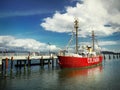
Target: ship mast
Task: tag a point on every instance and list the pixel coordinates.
(93, 38)
(76, 29)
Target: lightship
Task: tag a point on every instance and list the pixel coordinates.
(88, 56)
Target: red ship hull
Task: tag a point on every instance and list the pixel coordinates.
(77, 62)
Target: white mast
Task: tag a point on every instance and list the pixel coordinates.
(93, 39)
(76, 29)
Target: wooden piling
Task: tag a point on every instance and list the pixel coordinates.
(56, 62)
(109, 57)
(6, 63)
(6, 66)
(52, 61)
(2, 65)
(48, 62)
(17, 62)
(29, 61)
(104, 57)
(24, 63)
(42, 61)
(20, 63)
(11, 63)
(117, 56)
(113, 56)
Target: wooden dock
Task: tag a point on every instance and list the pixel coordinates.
(30, 57)
(25, 60)
(111, 56)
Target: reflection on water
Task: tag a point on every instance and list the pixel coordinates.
(79, 78)
(92, 71)
(102, 77)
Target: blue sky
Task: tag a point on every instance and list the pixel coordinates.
(33, 23)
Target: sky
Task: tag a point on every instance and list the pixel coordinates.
(43, 25)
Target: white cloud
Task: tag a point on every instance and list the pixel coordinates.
(11, 42)
(107, 43)
(102, 43)
(92, 15)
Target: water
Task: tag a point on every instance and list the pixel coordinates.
(103, 77)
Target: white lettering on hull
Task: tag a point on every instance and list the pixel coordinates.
(93, 60)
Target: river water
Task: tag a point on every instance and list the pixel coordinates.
(102, 77)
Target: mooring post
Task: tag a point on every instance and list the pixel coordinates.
(17, 62)
(11, 63)
(52, 61)
(20, 63)
(28, 61)
(2, 65)
(49, 61)
(6, 63)
(6, 66)
(109, 56)
(24, 63)
(41, 61)
(117, 55)
(56, 62)
(104, 57)
(11, 73)
(113, 56)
